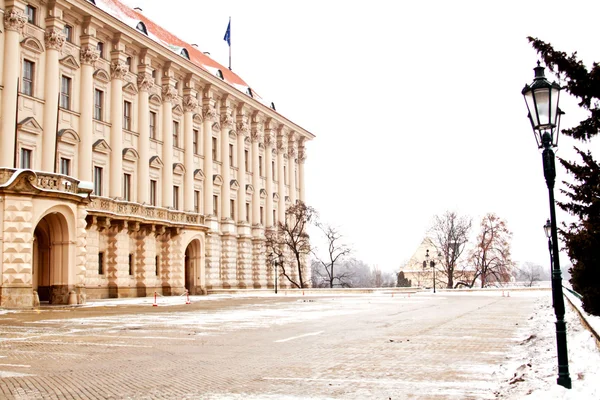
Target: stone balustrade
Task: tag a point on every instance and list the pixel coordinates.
(45, 181)
(142, 213)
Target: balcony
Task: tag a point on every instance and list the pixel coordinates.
(43, 183)
(124, 210)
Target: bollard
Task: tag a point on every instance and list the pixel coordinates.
(503, 293)
(154, 304)
(507, 294)
(187, 297)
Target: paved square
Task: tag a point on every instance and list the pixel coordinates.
(307, 347)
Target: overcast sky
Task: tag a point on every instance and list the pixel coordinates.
(416, 106)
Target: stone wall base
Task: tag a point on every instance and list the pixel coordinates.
(126, 292)
(11, 297)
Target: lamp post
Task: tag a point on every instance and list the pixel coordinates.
(548, 232)
(274, 263)
(432, 265)
(541, 98)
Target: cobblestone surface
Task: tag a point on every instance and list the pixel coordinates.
(350, 347)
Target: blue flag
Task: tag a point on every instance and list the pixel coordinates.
(227, 36)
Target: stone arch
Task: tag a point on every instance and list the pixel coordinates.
(194, 272)
(53, 261)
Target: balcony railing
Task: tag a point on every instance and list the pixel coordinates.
(46, 181)
(143, 213)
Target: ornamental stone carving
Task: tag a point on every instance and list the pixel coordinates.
(226, 119)
(118, 70)
(54, 39)
(256, 136)
(14, 20)
(169, 94)
(280, 145)
(190, 103)
(209, 113)
(145, 82)
(291, 150)
(269, 140)
(243, 128)
(89, 55)
(301, 155)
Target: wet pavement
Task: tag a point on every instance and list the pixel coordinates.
(375, 346)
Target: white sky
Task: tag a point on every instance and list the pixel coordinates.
(416, 106)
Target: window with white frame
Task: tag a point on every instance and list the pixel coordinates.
(127, 187)
(127, 115)
(98, 104)
(25, 158)
(98, 181)
(65, 166)
(65, 92)
(27, 85)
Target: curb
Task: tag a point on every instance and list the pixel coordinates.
(576, 305)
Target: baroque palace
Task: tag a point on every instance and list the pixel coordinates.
(130, 161)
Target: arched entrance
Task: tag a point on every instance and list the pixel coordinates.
(192, 267)
(51, 259)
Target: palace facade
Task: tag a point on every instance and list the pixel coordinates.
(130, 161)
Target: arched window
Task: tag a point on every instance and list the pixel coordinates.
(273, 106)
(249, 92)
(92, 1)
(184, 53)
(142, 28)
(219, 74)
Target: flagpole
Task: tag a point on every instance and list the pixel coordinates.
(230, 43)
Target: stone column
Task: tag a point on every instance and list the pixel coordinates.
(280, 176)
(145, 83)
(301, 159)
(292, 167)
(169, 96)
(269, 177)
(210, 116)
(88, 56)
(189, 106)
(256, 137)
(226, 126)
(118, 71)
(14, 20)
(54, 39)
(242, 133)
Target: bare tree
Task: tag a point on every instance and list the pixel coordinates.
(450, 234)
(529, 273)
(336, 252)
(290, 237)
(491, 255)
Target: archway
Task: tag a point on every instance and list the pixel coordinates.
(50, 266)
(192, 266)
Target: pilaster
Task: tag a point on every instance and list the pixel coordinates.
(190, 104)
(209, 115)
(257, 132)
(269, 142)
(119, 69)
(226, 127)
(88, 55)
(169, 97)
(281, 149)
(145, 83)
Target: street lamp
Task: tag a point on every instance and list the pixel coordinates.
(274, 263)
(541, 98)
(432, 265)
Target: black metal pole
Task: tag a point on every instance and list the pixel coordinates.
(276, 273)
(433, 266)
(564, 379)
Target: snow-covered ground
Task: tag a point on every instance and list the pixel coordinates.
(532, 368)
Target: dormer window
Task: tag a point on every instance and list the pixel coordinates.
(92, 1)
(184, 53)
(220, 74)
(142, 28)
(273, 106)
(249, 92)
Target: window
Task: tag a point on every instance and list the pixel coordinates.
(101, 263)
(98, 181)
(142, 28)
(98, 102)
(175, 134)
(260, 167)
(195, 141)
(65, 166)
(128, 62)
(27, 87)
(285, 175)
(65, 93)
(176, 197)
(130, 264)
(230, 154)
(127, 115)
(196, 201)
(262, 212)
(215, 205)
(30, 11)
(247, 212)
(152, 192)
(246, 160)
(274, 217)
(214, 148)
(127, 187)
(25, 158)
(273, 169)
(68, 31)
(100, 48)
(232, 209)
(152, 125)
(156, 265)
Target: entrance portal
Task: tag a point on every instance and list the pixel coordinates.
(50, 264)
(192, 266)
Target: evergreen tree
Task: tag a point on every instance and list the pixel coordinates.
(582, 238)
